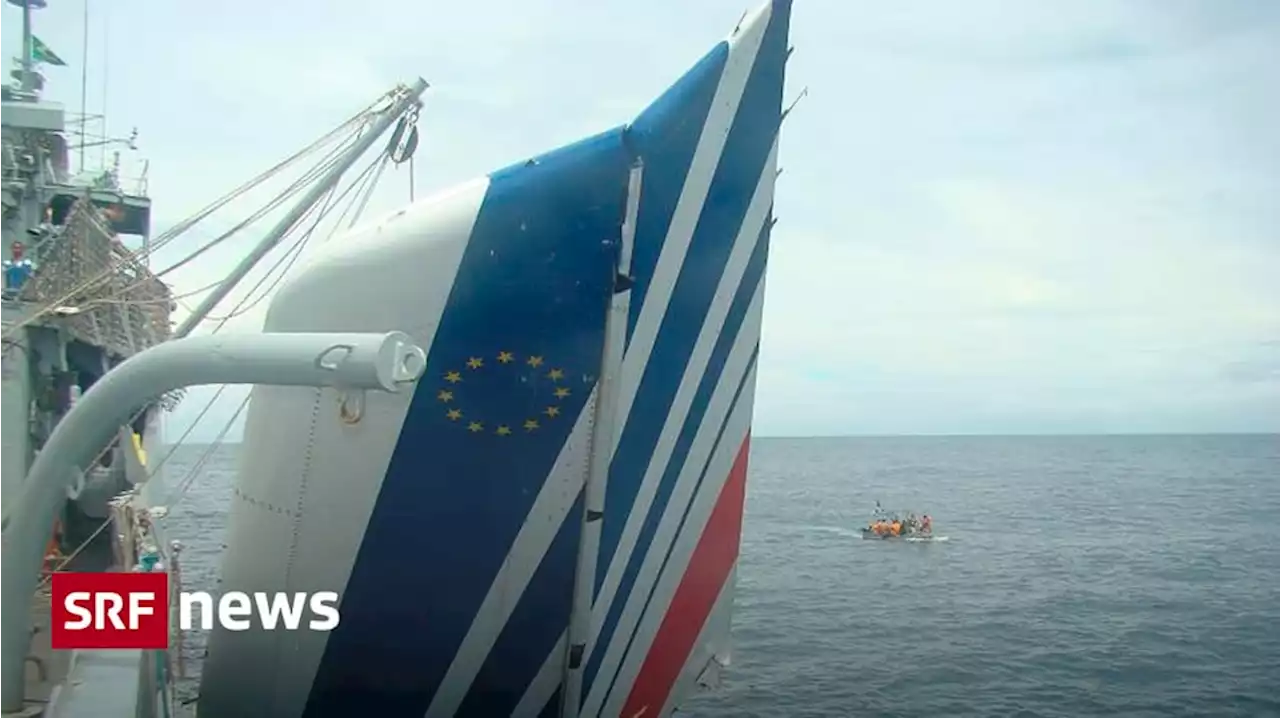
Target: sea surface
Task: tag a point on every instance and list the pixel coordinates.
(1082, 576)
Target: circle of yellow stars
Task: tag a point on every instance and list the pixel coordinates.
(453, 378)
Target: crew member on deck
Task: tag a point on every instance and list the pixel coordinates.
(17, 269)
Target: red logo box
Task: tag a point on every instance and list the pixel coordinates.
(110, 610)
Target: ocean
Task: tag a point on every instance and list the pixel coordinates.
(1082, 576)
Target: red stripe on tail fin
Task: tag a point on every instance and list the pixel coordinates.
(709, 568)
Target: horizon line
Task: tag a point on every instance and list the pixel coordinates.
(1067, 435)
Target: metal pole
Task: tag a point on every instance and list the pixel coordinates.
(175, 570)
(28, 82)
(350, 361)
(106, 75)
(84, 88)
(407, 99)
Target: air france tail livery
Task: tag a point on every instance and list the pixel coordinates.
(548, 523)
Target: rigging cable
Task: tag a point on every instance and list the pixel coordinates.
(368, 192)
(327, 163)
(311, 175)
(186, 224)
(194, 471)
(324, 166)
(294, 252)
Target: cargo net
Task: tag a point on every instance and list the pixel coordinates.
(106, 296)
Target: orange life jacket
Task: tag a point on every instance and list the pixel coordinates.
(52, 550)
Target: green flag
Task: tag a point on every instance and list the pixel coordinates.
(40, 52)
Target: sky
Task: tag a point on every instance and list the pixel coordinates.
(994, 217)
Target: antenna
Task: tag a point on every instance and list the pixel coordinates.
(84, 86)
(803, 94)
(106, 36)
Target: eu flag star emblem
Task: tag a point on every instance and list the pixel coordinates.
(503, 394)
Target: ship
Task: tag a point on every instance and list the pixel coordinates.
(79, 299)
(509, 424)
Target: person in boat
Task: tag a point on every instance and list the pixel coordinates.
(926, 524)
(896, 528)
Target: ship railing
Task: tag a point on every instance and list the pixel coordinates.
(139, 544)
(141, 678)
(145, 681)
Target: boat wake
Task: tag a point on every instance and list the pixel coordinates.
(848, 533)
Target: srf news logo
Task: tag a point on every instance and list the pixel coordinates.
(110, 610)
(131, 610)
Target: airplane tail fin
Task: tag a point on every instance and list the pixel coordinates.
(549, 522)
(673, 499)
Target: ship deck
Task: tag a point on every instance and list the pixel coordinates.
(45, 668)
(105, 682)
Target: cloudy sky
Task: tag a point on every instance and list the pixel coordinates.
(995, 217)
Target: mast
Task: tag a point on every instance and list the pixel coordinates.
(27, 82)
(407, 99)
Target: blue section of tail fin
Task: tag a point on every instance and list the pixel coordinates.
(530, 296)
(535, 626)
(665, 135)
